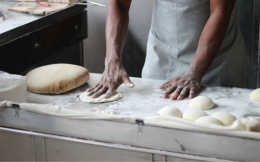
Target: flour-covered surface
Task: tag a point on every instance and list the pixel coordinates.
(146, 98)
(14, 19)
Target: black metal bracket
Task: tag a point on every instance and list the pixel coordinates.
(17, 108)
(140, 123)
(16, 105)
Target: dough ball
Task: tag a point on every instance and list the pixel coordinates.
(208, 120)
(193, 114)
(85, 98)
(224, 117)
(255, 95)
(56, 78)
(170, 111)
(201, 102)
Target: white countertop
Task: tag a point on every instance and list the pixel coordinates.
(14, 18)
(146, 98)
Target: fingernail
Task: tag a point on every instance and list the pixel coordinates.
(129, 84)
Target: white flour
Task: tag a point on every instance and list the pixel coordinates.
(146, 98)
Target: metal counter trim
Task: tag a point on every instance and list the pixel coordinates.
(118, 146)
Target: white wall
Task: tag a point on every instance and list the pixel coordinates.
(135, 47)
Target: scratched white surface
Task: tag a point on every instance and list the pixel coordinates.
(15, 19)
(147, 98)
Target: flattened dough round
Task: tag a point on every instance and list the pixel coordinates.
(208, 120)
(170, 111)
(201, 102)
(85, 98)
(224, 117)
(193, 114)
(255, 95)
(56, 78)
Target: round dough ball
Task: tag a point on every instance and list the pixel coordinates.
(255, 95)
(208, 120)
(224, 117)
(56, 78)
(201, 102)
(193, 114)
(170, 111)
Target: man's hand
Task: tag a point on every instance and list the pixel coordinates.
(179, 87)
(209, 44)
(113, 76)
(116, 29)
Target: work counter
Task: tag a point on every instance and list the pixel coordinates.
(32, 136)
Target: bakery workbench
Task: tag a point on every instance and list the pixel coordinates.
(146, 98)
(31, 136)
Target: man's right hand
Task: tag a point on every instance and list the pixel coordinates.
(113, 76)
(116, 30)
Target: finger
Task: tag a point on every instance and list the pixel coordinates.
(92, 88)
(127, 81)
(183, 93)
(110, 92)
(192, 93)
(165, 85)
(176, 93)
(100, 92)
(169, 91)
(95, 90)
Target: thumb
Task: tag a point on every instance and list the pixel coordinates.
(128, 82)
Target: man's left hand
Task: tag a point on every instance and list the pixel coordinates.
(179, 87)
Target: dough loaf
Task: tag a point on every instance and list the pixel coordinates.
(201, 102)
(170, 111)
(224, 117)
(255, 95)
(193, 114)
(85, 98)
(208, 120)
(56, 78)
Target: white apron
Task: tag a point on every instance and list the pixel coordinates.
(173, 40)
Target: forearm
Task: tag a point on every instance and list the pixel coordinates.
(116, 28)
(210, 42)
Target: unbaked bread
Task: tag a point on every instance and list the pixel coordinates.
(224, 117)
(208, 120)
(255, 95)
(193, 114)
(56, 78)
(170, 111)
(114, 97)
(201, 102)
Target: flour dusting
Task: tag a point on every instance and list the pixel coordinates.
(146, 98)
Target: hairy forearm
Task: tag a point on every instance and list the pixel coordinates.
(210, 42)
(116, 28)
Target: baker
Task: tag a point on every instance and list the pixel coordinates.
(191, 42)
